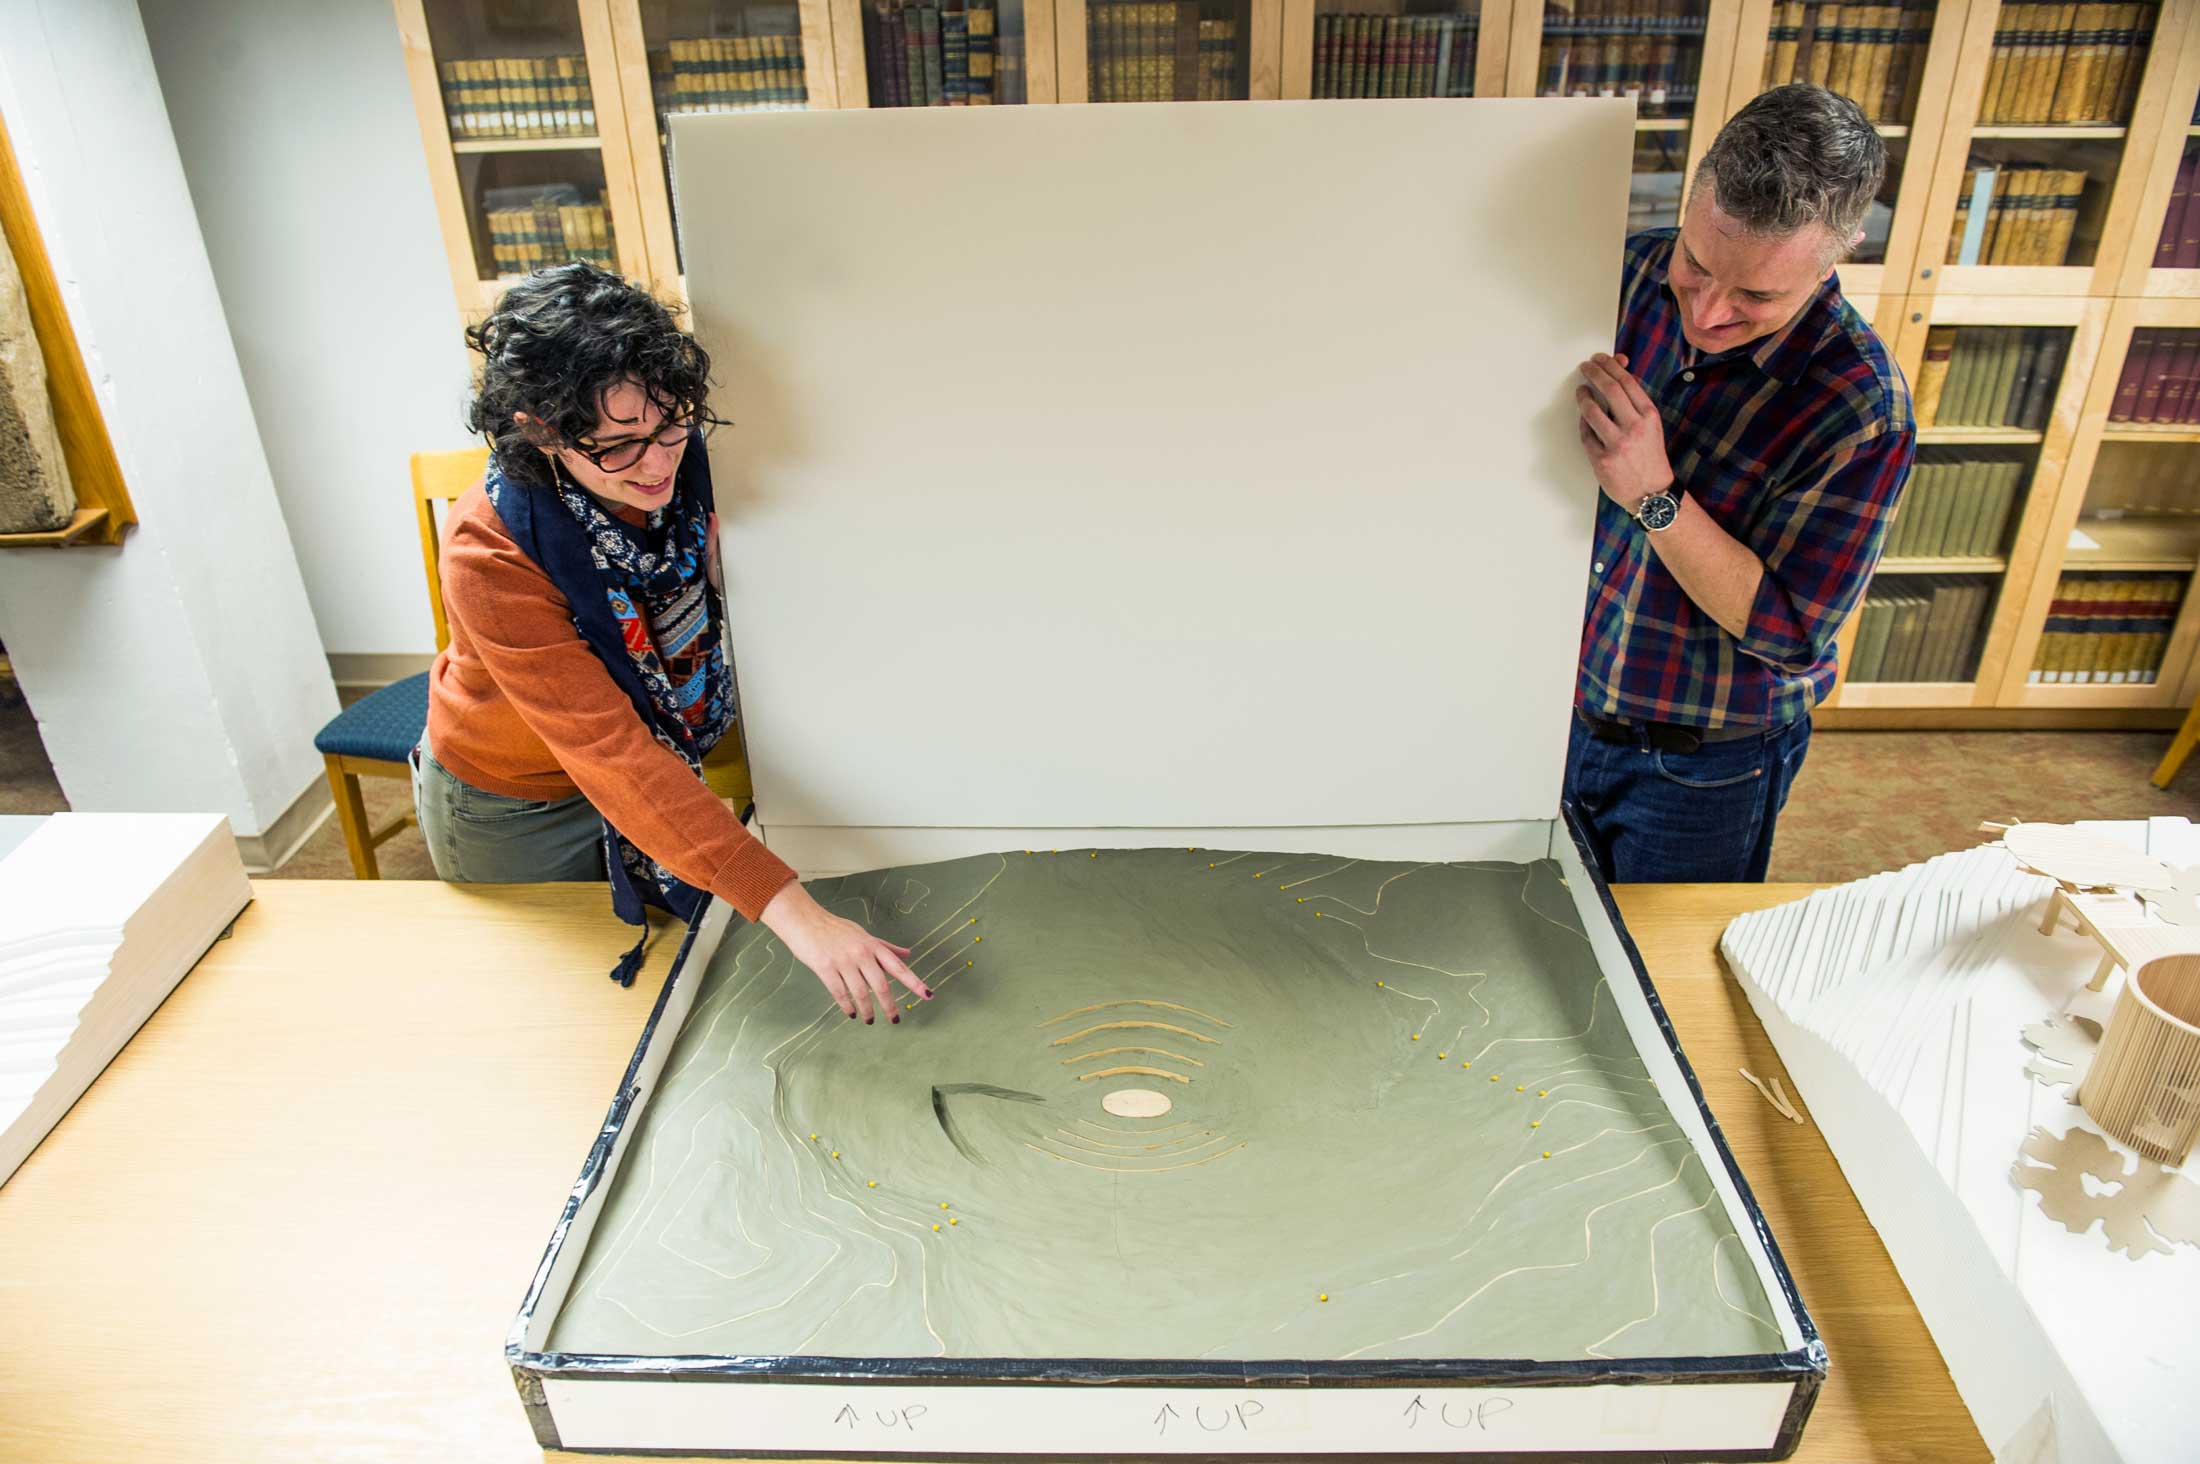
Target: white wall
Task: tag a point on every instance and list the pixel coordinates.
(182, 670)
(297, 132)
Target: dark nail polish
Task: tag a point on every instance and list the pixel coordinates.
(897, 1021)
(866, 1021)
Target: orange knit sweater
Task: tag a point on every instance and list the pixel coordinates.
(519, 705)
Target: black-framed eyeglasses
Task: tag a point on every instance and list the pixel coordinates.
(620, 456)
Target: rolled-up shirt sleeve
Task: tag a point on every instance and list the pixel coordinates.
(1819, 540)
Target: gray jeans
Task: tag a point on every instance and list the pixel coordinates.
(478, 837)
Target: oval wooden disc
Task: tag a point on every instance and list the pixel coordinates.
(2087, 860)
(1136, 1103)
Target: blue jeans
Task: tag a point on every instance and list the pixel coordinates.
(1657, 817)
(478, 837)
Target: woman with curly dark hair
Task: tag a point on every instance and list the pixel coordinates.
(587, 674)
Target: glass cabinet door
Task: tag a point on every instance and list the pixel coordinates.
(521, 110)
(1167, 50)
(944, 53)
(1650, 50)
(1875, 56)
(1396, 48)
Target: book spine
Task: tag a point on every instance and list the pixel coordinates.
(912, 54)
(515, 95)
(2125, 407)
(1998, 63)
(882, 53)
(2185, 253)
(1885, 35)
(2008, 495)
(2153, 362)
(2039, 402)
(1932, 376)
(928, 36)
(2014, 345)
(2062, 228)
(2127, 89)
(454, 98)
(1825, 37)
(1991, 242)
(985, 45)
(2020, 384)
(2118, 61)
(954, 57)
(1967, 366)
(1916, 39)
(2177, 380)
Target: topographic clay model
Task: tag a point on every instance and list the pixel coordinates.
(1171, 1104)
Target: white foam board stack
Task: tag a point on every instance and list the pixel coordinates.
(100, 916)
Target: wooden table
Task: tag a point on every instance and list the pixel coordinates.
(295, 1217)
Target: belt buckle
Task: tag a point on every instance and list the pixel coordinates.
(1681, 739)
(1605, 730)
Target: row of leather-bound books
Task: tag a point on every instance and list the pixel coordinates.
(1989, 376)
(1921, 627)
(2016, 213)
(518, 96)
(2108, 626)
(2161, 379)
(522, 240)
(730, 74)
(1394, 55)
(1159, 51)
(1872, 54)
(1651, 50)
(2071, 64)
(919, 53)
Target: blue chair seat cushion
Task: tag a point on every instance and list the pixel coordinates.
(385, 724)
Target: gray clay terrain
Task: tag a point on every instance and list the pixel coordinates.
(1403, 1088)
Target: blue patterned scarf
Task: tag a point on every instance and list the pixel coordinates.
(642, 600)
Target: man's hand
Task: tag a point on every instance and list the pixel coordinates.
(853, 964)
(1621, 432)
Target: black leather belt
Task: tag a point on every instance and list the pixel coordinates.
(1664, 736)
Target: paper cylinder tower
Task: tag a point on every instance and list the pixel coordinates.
(2144, 1088)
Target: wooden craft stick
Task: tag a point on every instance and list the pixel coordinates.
(1787, 1102)
(1778, 1103)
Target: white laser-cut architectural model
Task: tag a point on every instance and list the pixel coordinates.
(1940, 1029)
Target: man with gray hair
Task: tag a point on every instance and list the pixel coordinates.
(1750, 435)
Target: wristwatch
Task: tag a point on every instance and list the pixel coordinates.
(1657, 511)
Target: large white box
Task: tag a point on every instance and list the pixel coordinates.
(1131, 477)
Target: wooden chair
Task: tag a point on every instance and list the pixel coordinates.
(375, 736)
(2180, 748)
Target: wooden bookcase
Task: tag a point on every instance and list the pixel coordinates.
(1906, 287)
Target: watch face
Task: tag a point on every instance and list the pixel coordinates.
(1657, 511)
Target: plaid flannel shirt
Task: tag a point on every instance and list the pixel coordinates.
(1797, 445)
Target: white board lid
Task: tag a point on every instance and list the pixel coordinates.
(1160, 466)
